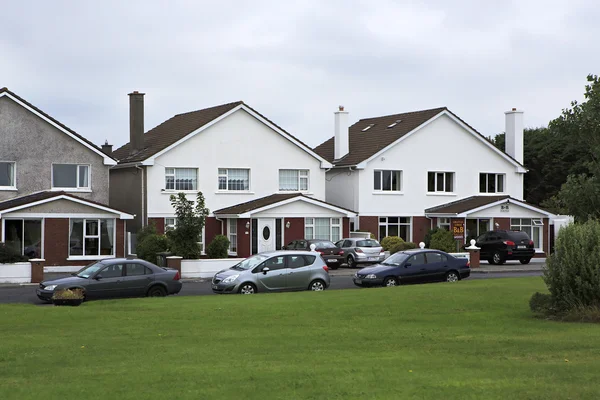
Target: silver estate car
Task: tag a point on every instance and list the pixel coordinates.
(274, 271)
(360, 251)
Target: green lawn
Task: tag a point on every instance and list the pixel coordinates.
(469, 340)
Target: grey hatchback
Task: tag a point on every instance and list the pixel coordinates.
(274, 271)
(361, 251)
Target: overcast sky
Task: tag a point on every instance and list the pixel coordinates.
(295, 62)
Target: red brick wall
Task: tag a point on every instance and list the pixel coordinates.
(243, 239)
(345, 227)
(503, 222)
(370, 224)
(295, 231)
(120, 238)
(212, 228)
(420, 226)
(159, 223)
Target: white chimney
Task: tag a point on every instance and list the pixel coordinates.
(514, 134)
(341, 139)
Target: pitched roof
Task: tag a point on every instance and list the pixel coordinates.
(364, 144)
(5, 90)
(466, 204)
(172, 130)
(47, 195)
(267, 201)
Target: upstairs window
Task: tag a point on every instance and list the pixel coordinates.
(181, 179)
(491, 183)
(293, 180)
(440, 182)
(234, 179)
(7, 175)
(387, 181)
(70, 176)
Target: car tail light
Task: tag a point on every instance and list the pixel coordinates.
(321, 252)
(468, 263)
(509, 243)
(531, 242)
(358, 250)
(341, 253)
(326, 268)
(177, 276)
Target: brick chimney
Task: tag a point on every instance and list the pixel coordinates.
(136, 121)
(514, 134)
(341, 141)
(107, 148)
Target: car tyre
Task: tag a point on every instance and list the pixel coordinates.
(247, 288)
(317, 285)
(157, 291)
(390, 281)
(525, 260)
(452, 276)
(351, 263)
(497, 258)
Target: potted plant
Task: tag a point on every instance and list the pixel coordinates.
(67, 297)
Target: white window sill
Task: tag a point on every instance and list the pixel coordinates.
(440, 194)
(231, 253)
(163, 191)
(233, 192)
(491, 193)
(389, 192)
(54, 189)
(296, 191)
(8, 188)
(80, 258)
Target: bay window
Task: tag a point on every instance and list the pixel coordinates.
(323, 228)
(24, 236)
(91, 237)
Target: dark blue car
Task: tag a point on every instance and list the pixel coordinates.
(413, 266)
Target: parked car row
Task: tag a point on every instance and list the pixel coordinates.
(351, 251)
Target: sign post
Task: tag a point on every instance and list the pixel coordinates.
(458, 230)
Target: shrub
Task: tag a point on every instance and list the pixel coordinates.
(152, 244)
(390, 241)
(9, 255)
(403, 246)
(572, 272)
(149, 229)
(443, 240)
(218, 248)
(429, 234)
(540, 303)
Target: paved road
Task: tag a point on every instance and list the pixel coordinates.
(26, 294)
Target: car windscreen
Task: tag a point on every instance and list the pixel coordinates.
(250, 262)
(396, 259)
(518, 236)
(89, 270)
(367, 243)
(324, 245)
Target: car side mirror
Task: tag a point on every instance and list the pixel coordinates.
(265, 270)
(407, 265)
(98, 277)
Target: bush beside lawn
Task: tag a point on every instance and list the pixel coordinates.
(469, 340)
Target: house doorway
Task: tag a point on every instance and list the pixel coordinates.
(266, 234)
(476, 227)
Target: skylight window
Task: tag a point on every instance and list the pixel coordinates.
(394, 124)
(368, 127)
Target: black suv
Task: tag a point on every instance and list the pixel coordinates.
(499, 246)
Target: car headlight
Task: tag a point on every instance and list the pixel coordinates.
(50, 287)
(371, 276)
(231, 278)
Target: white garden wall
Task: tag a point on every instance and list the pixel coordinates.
(206, 268)
(15, 273)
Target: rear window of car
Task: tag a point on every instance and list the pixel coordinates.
(367, 243)
(324, 245)
(518, 235)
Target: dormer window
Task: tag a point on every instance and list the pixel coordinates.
(368, 127)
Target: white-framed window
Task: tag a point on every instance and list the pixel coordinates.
(293, 180)
(181, 179)
(491, 183)
(232, 232)
(394, 226)
(234, 179)
(91, 237)
(387, 180)
(533, 227)
(24, 236)
(323, 228)
(8, 175)
(171, 224)
(444, 223)
(71, 176)
(440, 182)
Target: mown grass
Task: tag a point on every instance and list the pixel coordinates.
(469, 340)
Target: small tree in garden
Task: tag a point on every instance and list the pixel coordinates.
(389, 242)
(218, 248)
(150, 243)
(443, 240)
(191, 217)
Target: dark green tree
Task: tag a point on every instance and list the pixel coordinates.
(184, 239)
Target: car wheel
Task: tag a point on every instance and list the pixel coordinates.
(452, 276)
(525, 260)
(157, 291)
(497, 258)
(351, 263)
(247, 288)
(317, 285)
(390, 281)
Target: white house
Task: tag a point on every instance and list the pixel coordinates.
(263, 186)
(407, 173)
